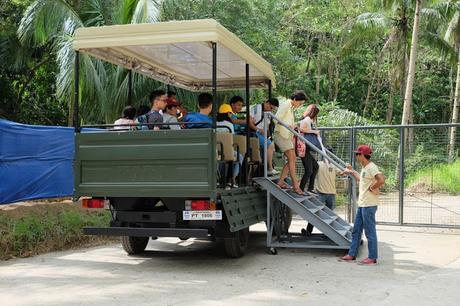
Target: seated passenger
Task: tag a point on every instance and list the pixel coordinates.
(225, 125)
(200, 120)
(141, 117)
(224, 121)
(170, 114)
(129, 112)
(236, 103)
(181, 111)
(158, 100)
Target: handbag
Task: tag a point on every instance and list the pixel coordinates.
(313, 139)
(300, 147)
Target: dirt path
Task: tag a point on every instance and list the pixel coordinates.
(416, 268)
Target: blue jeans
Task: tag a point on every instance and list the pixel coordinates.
(327, 199)
(365, 219)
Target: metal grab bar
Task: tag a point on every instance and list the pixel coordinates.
(340, 164)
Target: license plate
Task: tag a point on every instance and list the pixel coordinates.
(202, 215)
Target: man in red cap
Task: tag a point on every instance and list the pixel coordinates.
(370, 180)
(170, 114)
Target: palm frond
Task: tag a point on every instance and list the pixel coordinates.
(44, 19)
(371, 20)
(93, 13)
(146, 11)
(446, 50)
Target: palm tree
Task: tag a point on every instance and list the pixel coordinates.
(444, 34)
(407, 107)
(391, 21)
(55, 21)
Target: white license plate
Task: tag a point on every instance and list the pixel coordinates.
(202, 215)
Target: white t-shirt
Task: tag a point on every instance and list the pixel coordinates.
(167, 118)
(123, 121)
(257, 112)
(307, 122)
(224, 126)
(367, 179)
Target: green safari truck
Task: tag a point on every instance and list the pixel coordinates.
(166, 183)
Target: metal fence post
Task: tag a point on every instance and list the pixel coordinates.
(353, 164)
(401, 174)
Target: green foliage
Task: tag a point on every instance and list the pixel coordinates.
(31, 230)
(336, 50)
(439, 177)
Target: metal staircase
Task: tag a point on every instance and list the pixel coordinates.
(336, 232)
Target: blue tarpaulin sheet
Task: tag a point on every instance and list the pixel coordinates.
(36, 162)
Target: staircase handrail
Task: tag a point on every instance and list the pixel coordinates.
(341, 166)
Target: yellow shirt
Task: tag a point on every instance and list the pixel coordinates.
(285, 113)
(367, 179)
(325, 178)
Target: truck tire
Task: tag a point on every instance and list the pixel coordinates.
(134, 245)
(236, 246)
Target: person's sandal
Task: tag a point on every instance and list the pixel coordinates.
(299, 191)
(283, 186)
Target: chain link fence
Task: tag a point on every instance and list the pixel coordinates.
(422, 180)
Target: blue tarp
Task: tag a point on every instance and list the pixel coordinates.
(35, 161)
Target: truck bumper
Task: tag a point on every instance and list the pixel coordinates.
(146, 232)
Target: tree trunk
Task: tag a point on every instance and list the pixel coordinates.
(336, 80)
(453, 130)
(411, 74)
(389, 116)
(318, 75)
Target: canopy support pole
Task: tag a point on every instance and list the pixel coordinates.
(214, 85)
(248, 129)
(130, 87)
(269, 89)
(76, 121)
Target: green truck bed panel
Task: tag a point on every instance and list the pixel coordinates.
(164, 163)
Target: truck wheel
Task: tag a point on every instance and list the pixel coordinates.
(236, 245)
(134, 245)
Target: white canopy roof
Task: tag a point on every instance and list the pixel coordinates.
(177, 53)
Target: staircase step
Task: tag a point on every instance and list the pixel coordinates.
(330, 220)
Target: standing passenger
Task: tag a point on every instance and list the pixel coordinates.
(257, 114)
(308, 126)
(283, 139)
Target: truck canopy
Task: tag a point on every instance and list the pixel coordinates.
(178, 53)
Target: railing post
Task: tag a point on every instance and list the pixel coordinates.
(76, 119)
(266, 176)
(401, 174)
(353, 182)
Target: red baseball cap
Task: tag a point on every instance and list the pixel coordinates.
(172, 102)
(363, 149)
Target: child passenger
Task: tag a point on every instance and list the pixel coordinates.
(129, 112)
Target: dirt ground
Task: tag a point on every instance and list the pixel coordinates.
(417, 267)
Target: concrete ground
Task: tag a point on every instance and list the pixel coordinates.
(416, 267)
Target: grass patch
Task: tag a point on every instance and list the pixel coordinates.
(443, 178)
(27, 231)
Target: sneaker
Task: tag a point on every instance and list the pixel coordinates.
(368, 262)
(272, 172)
(347, 258)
